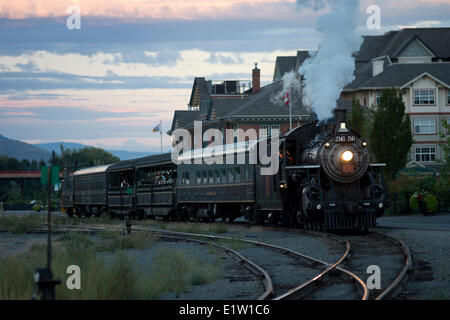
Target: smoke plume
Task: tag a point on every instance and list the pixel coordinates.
(331, 67)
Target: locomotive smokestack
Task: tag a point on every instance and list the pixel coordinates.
(340, 116)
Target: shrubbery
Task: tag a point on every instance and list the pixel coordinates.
(415, 193)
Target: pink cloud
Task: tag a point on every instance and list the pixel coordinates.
(173, 9)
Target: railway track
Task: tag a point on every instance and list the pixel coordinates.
(317, 278)
(314, 274)
(391, 255)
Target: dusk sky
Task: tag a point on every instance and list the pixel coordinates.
(133, 62)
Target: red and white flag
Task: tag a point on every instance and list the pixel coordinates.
(286, 98)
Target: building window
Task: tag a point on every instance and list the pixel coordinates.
(425, 154)
(377, 97)
(275, 130)
(448, 96)
(425, 126)
(269, 130)
(263, 131)
(424, 97)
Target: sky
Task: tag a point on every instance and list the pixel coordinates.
(132, 62)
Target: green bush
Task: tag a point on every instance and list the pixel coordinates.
(413, 203)
(431, 202)
(19, 225)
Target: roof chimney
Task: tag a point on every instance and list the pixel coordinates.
(377, 67)
(256, 79)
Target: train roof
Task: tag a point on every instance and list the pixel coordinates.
(91, 170)
(217, 151)
(164, 158)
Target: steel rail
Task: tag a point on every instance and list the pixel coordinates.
(295, 291)
(402, 276)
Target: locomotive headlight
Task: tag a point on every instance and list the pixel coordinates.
(327, 144)
(364, 144)
(347, 155)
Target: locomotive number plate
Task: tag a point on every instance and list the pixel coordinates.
(340, 139)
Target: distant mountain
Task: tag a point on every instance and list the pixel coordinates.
(121, 154)
(21, 150)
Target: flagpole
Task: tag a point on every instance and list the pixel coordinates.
(160, 132)
(290, 112)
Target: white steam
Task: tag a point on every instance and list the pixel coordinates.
(329, 69)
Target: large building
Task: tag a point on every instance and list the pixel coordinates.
(417, 63)
(414, 61)
(244, 104)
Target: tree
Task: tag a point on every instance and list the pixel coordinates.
(445, 160)
(54, 159)
(357, 120)
(391, 137)
(85, 157)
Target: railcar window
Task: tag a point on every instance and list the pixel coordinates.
(211, 176)
(224, 175)
(205, 176)
(199, 177)
(186, 176)
(237, 174)
(217, 175)
(230, 175)
(247, 173)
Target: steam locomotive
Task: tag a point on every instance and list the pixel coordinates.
(325, 181)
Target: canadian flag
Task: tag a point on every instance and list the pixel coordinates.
(286, 98)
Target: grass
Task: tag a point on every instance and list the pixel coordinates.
(118, 278)
(235, 245)
(21, 224)
(175, 270)
(114, 242)
(187, 227)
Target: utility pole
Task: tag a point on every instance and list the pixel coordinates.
(290, 111)
(44, 277)
(160, 132)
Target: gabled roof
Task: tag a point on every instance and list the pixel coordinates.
(182, 118)
(437, 40)
(269, 101)
(285, 64)
(398, 75)
(200, 91)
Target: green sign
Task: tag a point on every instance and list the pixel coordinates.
(129, 191)
(54, 175)
(44, 175)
